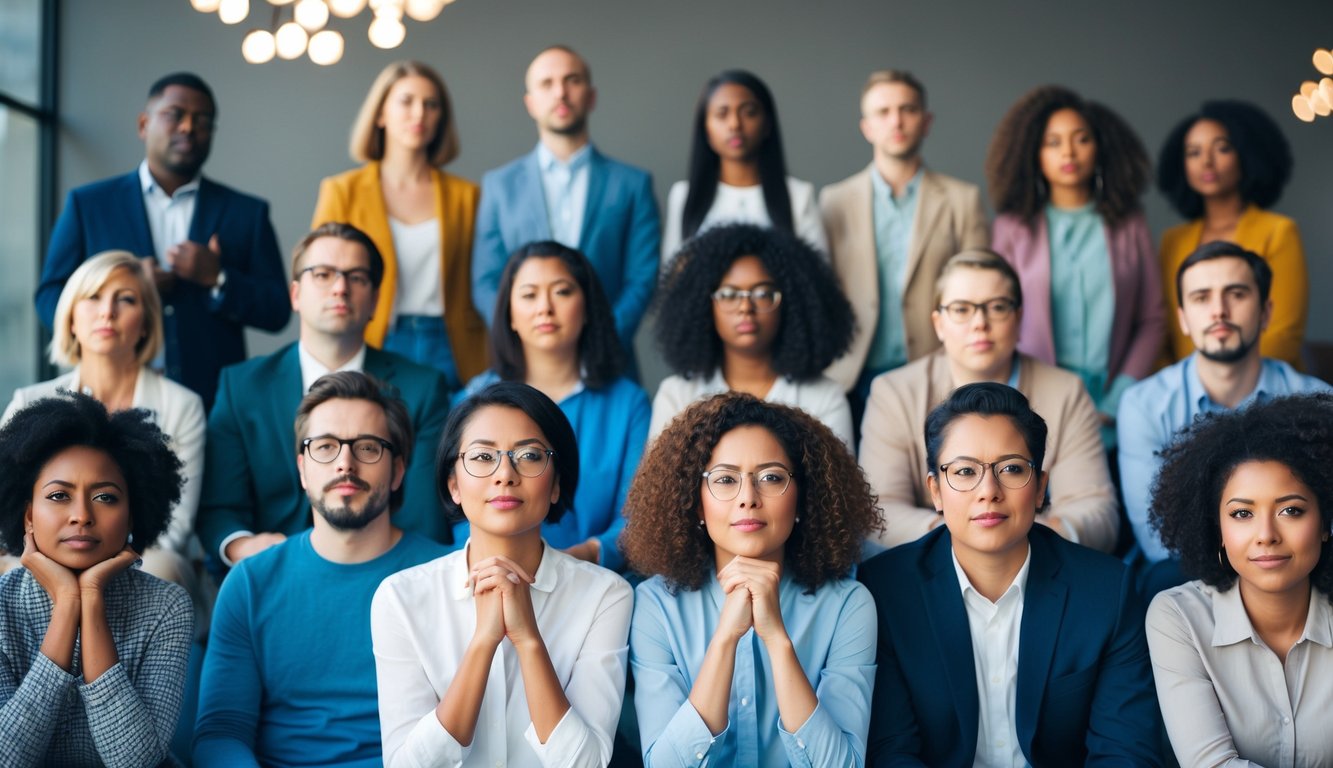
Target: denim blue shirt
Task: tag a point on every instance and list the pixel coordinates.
(893, 236)
(565, 186)
(833, 632)
(1082, 306)
(1155, 408)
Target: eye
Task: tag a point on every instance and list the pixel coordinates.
(722, 478)
(1240, 514)
(1291, 511)
(529, 454)
(128, 298)
(483, 456)
(771, 476)
(106, 497)
(564, 291)
(963, 470)
(57, 496)
(527, 295)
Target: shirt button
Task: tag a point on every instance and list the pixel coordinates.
(800, 744)
(1286, 720)
(168, 310)
(698, 755)
(995, 679)
(744, 701)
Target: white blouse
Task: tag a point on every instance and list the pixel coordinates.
(416, 249)
(744, 205)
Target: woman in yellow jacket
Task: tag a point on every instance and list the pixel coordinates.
(420, 217)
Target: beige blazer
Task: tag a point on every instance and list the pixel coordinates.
(949, 219)
(893, 449)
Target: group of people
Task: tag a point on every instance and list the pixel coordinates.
(423, 512)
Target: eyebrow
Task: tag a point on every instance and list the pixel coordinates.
(353, 437)
(492, 444)
(997, 458)
(1279, 500)
(764, 465)
(558, 281)
(99, 484)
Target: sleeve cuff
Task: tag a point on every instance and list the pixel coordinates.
(222, 548)
(568, 740)
(688, 736)
(816, 727)
(107, 688)
(49, 674)
(431, 744)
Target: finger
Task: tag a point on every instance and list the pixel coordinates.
(513, 566)
(29, 543)
(214, 245)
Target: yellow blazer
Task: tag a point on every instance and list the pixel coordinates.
(357, 198)
(1276, 238)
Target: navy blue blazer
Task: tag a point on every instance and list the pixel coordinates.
(621, 235)
(202, 334)
(1085, 689)
(250, 477)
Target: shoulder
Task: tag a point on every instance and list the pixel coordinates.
(431, 577)
(160, 598)
(1087, 571)
(113, 185)
(257, 369)
(912, 377)
(949, 185)
(507, 170)
(676, 386)
(822, 390)
(479, 382)
(1152, 392)
(800, 189)
(656, 595)
(851, 594)
(1051, 382)
(174, 394)
(235, 196)
(1269, 220)
(457, 184)
(621, 390)
(886, 573)
(1178, 238)
(49, 388)
(349, 178)
(627, 172)
(403, 372)
(1295, 382)
(837, 193)
(275, 564)
(588, 579)
(679, 191)
(413, 550)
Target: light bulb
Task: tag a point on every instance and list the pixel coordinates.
(279, 2)
(1319, 104)
(292, 39)
(423, 10)
(311, 14)
(258, 46)
(1326, 88)
(1308, 87)
(346, 9)
(233, 11)
(326, 47)
(1323, 61)
(205, 6)
(1301, 106)
(386, 32)
(387, 9)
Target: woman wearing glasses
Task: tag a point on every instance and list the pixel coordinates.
(753, 310)
(750, 645)
(508, 651)
(978, 310)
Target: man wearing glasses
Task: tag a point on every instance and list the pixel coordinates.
(289, 677)
(252, 497)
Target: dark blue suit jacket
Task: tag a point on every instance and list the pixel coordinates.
(202, 334)
(250, 477)
(1085, 690)
(621, 235)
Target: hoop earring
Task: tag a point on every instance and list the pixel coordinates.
(1042, 192)
(1222, 559)
(1097, 187)
(797, 520)
(701, 523)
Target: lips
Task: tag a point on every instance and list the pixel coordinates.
(1069, 168)
(1269, 562)
(749, 525)
(747, 326)
(990, 519)
(546, 328)
(347, 484)
(505, 502)
(81, 543)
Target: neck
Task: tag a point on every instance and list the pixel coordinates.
(401, 166)
(1222, 211)
(1000, 374)
(1229, 383)
(739, 173)
(554, 374)
(749, 373)
(350, 547)
(332, 352)
(111, 379)
(525, 548)
(1278, 617)
(564, 145)
(167, 180)
(992, 574)
(897, 171)
(1070, 197)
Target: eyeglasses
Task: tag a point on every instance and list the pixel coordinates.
(965, 474)
(325, 276)
(962, 311)
(725, 484)
(174, 116)
(327, 448)
(763, 298)
(528, 461)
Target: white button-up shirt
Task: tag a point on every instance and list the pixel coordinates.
(565, 186)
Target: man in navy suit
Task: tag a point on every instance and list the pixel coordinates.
(252, 497)
(567, 191)
(210, 249)
(1000, 643)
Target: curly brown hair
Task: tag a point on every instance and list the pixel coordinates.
(837, 509)
(1013, 166)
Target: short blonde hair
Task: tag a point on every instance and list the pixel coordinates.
(367, 142)
(89, 279)
(980, 258)
(885, 76)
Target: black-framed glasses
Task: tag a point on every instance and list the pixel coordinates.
(325, 276)
(764, 298)
(993, 309)
(528, 461)
(725, 484)
(365, 449)
(965, 474)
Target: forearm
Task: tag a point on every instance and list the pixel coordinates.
(796, 699)
(58, 644)
(122, 726)
(28, 719)
(547, 704)
(711, 694)
(461, 705)
(97, 646)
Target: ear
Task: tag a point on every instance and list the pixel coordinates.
(143, 125)
(452, 485)
(300, 469)
(1180, 319)
(937, 322)
(1266, 316)
(926, 120)
(592, 98)
(933, 486)
(1042, 479)
(295, 293)
(555, 490)
(527, 104)
(399, 470)
(27, 518)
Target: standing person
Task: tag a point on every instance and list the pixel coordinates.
(567, 191)
(211, 250)
(891, 227)
(1065, 176)
(420, 218)
(1222, 168)
(738, 172)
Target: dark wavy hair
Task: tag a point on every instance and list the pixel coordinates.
(1013, 164)
(1265, 156)
(817, 320)
(705, 165)
(985, 398)
(544, 413)
(1295, 431)
(837, 509)
(600, 352)
(1221, 249)
(40, 431)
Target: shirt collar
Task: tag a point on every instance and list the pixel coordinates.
(1268, 383)
(149, 184)
(545, 579)
(312, 369)
(885, 192)
(549, 162)
(1231, 624)
(1018, 585)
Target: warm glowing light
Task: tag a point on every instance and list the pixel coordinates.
(1319, 104)
(292, 39)
(1323, 61)
(279, 2)
(346, 9)
(311, 14)
(1326, 88)
(258, 46)
(1301, 106)
(233, 11)
(423, 10)
(387, 9)
(387, 32)
(1308, 87)
(326, 47)
(205, 6)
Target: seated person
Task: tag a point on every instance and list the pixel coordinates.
(289, 677)
(1000, 643)
(978, 310)
(92, 651)
(1243, 655)
(753, 310)
(751, 645)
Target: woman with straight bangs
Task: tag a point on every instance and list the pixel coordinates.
(737, 169)
(1065, 176)
(554, 330)
(508, 651)
(1243, 655)
(92, 651)
(1222, 168)
(420, 217)
(750, 644)
(752, 310)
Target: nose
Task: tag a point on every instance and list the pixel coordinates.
(1221, 311)
(106, 306)
(506, 473)
(1266, 530)
(80, 512)
(343, 462)
(339, 286)
(989, 487)
(749, 493)
(980, 318)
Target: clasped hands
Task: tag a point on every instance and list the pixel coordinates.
(187, 260)
(64, 585)
(500, 589)
(752, 600)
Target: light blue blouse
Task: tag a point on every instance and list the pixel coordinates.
(834, 634)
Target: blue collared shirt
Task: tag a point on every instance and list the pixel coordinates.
(893, 237)
(565, 186)
(1155, 408)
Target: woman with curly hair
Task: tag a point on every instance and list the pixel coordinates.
(1065, 177)
(750, 645)
(554, 330)
(737, 169)
(1221, 168)
(92, 651)
(751, 310)
(1243, 655)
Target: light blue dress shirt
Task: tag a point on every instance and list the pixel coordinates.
(833, 632)
(565, 186)
(893, 237)
(1154, 409)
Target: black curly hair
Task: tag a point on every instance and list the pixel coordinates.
(1295, 431)
(817, 320)
(40, 431)
(1265, 156)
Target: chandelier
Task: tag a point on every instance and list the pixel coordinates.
(304, 30)
(1316, 99)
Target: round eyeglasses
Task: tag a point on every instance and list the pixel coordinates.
(324, 276)
(963, 311)
(725, 484)
(326, 448)
(764, 298)
(528, 461)
(965, 474)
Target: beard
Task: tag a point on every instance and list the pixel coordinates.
(345, 517)
(1234, 354)
(575, 127)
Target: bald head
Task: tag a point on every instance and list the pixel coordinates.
(559, 93)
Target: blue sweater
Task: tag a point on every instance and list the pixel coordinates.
(289, 677)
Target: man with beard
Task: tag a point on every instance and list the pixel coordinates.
(567, 191)
(289, 676)
(1223, 292)
(210, 249)
(252, 495)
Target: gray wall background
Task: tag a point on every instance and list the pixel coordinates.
(284, 125)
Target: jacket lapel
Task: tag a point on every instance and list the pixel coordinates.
(1043, 612)
(948, 625)
(532, 197)
(207, 212)
(136, 216)
(929, 207)
(593, 204)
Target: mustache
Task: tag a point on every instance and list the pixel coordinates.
(1222, 324)
(347, 479)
